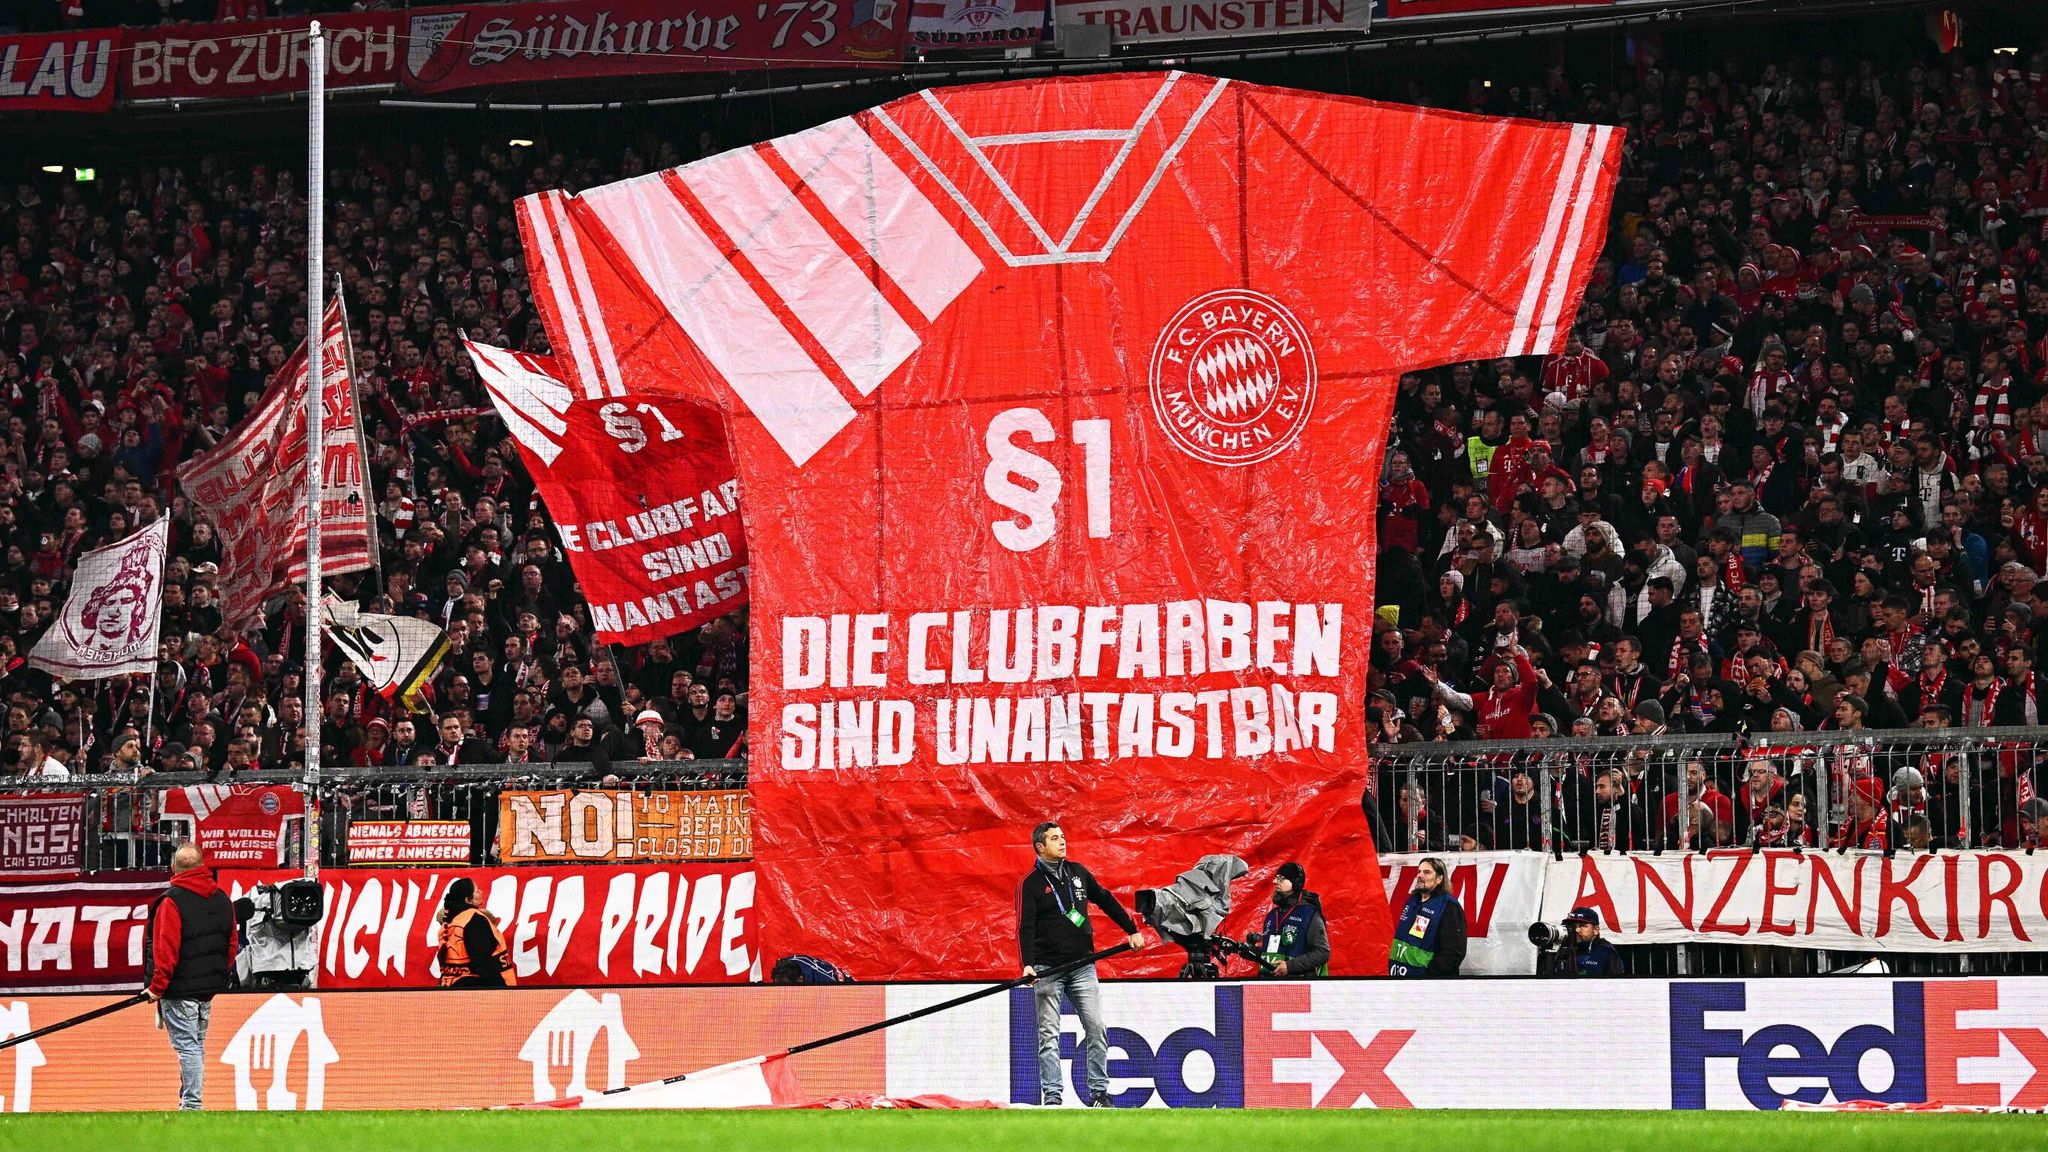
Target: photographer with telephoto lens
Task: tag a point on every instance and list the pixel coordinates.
(1579, 950)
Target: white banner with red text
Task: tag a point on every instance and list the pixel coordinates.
(936, 25)
(1160, 21)
(1978, 901)
(646, 924)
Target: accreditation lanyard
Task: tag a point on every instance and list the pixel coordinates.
(1078, 914)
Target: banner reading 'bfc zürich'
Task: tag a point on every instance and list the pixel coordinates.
(1059, 407)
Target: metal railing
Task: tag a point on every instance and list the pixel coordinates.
(1898, 791)
(1905, 789)
(131, 822)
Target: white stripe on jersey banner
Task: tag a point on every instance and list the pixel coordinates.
(741, 337)
(875, 201)
(816, 279)
(1159, 168)
(1539, 262)
(532, 405)
(1555, 305)
(591, 310)
(558, 289)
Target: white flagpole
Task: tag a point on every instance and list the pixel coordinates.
(316, 396)
(163, 576)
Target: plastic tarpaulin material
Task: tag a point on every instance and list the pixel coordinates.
(1059, 406)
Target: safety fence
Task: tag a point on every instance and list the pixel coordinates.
(1911, 788)
(1879, 794)
(477, 815)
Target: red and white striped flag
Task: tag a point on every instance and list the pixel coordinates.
(756, 1082)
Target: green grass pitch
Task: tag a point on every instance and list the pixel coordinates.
(1131, 1131)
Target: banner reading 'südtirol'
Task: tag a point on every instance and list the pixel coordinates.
(1059, 409)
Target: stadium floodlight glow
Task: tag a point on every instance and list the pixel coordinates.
(84, 175)
(53, 169)
(517, 142)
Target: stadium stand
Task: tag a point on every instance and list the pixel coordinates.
(1794, 457)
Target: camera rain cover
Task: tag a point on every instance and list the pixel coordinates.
(1198, 899)
(1058, 409)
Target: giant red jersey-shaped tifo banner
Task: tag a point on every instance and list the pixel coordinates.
(1058, 410)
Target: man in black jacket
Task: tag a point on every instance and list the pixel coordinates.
(191, 951)
(1053, 929)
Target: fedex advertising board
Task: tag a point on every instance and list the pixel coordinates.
(1653, 1044)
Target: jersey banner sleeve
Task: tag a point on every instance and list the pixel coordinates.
(640, 488)
(1059, 407)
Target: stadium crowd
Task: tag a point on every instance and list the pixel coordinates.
(1790, 471)
(142, 316)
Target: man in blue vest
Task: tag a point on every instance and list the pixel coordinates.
(1294, 941)
(1429, 935)
(189, 954)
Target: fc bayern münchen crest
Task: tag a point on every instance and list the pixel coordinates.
(1233, 377)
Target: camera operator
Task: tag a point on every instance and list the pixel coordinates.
(1053, 929)
(1589, 953)
(1294, 940)
(1429, 939)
